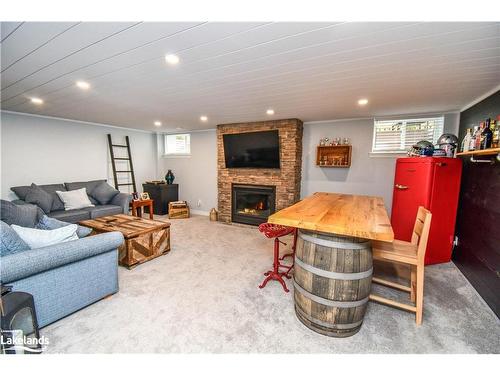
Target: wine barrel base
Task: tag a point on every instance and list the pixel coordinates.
(331, 332)
(332, 282)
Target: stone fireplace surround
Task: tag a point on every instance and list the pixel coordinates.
(286, 179)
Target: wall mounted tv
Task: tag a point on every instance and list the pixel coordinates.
(252, 150)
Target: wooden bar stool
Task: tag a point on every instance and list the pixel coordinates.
(407, 253)
(276, 231)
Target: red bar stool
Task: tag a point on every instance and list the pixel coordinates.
(276, 231)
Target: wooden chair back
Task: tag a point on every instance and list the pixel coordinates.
(421, 230)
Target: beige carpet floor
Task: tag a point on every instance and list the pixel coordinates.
(203, 297)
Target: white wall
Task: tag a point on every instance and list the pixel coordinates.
(197, 174)
(46, 150)
(366, 176)
(452, 123)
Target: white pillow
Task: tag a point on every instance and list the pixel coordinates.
(75, 199)
(36, 238)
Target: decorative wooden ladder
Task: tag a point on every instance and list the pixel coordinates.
(129, 159)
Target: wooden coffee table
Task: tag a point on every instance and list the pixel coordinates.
(144, 239)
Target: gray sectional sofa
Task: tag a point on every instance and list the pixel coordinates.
(67, 277)
(119, 204)
(64, 277)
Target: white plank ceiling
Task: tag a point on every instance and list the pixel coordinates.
(233, 72)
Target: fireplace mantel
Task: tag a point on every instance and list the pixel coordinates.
(286, 180)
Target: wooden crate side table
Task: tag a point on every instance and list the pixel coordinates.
(144, 239)
(137, 205)
(178, 210)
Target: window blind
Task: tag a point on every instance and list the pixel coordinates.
(399, 135)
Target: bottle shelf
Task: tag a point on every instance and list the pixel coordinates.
(338, 156)
(488, 151)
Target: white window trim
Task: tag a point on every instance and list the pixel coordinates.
(386, 153)
(176, 156)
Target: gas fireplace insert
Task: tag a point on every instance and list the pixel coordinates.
(252, 204)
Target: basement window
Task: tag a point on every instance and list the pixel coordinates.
(398, 135)
(178, 144)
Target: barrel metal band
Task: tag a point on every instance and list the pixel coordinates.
(328, 324)
(338, 245)
(329, 302)
(333, 275)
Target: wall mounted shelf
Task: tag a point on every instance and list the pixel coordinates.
(334, 156)
(488, 151)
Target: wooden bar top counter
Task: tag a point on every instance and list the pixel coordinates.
(342, 214)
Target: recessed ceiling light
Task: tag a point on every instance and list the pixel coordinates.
(204, 118)
(157, 123)
(172, 59)
(270, 112)
(36, 101)
(178, 128)
(363, 101)
(83, 85)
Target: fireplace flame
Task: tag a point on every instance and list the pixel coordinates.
(259, 206)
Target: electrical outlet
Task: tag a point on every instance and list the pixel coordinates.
(199, 203)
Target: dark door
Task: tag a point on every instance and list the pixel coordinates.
(478, 222)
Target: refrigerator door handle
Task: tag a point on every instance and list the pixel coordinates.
(401, 187)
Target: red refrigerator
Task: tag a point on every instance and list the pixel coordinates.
(434, 183)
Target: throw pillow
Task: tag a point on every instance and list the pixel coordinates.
(21, 191)
(25, 215)
(75, 199)
(57, 204)
(103, 193)
(36, 238)
(39, 197)
(89, 185)
(49, 223)
(10, 242)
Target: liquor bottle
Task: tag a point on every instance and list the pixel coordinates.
(486, 135)
(495, 142)
(477, 146)
(466, 141)
(493, 126)
(475, 134)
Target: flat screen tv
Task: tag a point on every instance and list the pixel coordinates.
(252, 150)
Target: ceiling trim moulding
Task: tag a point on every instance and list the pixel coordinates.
(77, 121)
